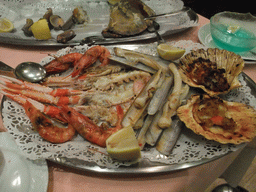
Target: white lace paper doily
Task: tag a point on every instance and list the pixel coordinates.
(189, 147)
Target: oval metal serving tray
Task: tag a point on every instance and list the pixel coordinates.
(98, 22)
(144, 166)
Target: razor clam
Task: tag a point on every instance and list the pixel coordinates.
(160, 96)
(169, 137)
(66, 36)
(174, 101)
(142, 134)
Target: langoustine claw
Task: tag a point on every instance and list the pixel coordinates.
(88, 129)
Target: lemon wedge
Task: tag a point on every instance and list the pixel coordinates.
(41, 30)
(169, 52)
(6, 25)
(123, 145)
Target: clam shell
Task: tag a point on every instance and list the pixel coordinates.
(213, 70)
(242, 116)
(56, 21)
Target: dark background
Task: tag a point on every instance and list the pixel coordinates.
(208, 8)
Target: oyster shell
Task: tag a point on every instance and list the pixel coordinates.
(127, 19)
(219, 120)
(213, 70)
(80, 15)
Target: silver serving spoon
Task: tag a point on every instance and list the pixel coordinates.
(27, 71)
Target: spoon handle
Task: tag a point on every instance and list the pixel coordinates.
(7, 73)
(6, 70)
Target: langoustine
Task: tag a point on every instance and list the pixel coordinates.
(45, 127)
(88, 129)
(78, 61)
(64, 99)
(39, 117)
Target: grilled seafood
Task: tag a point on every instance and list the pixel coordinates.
(78, 60)
(127, 18)
(106, 88)
(213, 70)
(63, 63)
(135, 57)
(45, 127)
(67, 81)
(219, 120)
(173, 102)
(90, 57)
(88, 129)
(66, 36)
(56, 97)
(49, 110)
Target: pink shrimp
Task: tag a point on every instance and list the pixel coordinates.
(88, 129)
(45, 127)
(90, 57)
(63, 63)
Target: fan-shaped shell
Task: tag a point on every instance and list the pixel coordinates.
(213, 70)
(219, 120)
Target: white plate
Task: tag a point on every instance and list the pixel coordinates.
(205, 37)
(19, 173)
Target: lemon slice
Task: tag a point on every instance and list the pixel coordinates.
(5, 25)
(169, 52)
(123, 145)
(41, 30)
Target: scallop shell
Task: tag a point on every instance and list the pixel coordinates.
(213, 70)
(219, 120)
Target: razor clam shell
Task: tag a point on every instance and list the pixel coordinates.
(169, 137)
(159, 96)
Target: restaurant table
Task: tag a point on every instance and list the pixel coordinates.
(62, 178)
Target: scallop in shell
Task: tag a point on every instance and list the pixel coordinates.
(213, 70)
(219, 120)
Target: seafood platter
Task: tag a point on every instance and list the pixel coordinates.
(182, 118)
(65, 23)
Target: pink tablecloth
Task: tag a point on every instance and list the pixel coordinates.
(68, 179)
